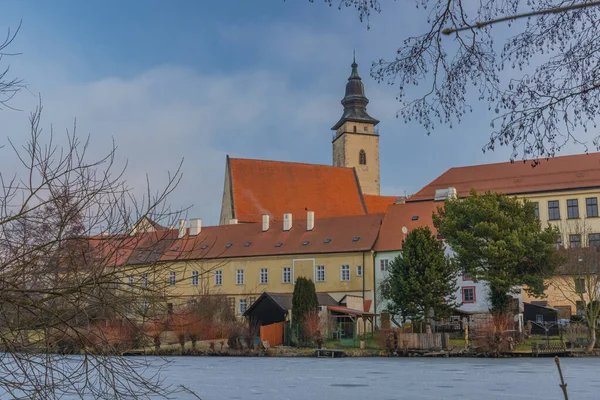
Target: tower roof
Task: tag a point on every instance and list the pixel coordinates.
(355, 102)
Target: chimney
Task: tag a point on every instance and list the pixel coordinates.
(195, 226)
(287, 221)
(265, 226)
(400, 200)
(452, 193)
(233, 221)
(310, 220)
(181, 232)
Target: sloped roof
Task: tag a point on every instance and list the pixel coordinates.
(276, 187)
(284, 300)
(399, 215)
(379, 204)
(247, 240)
(558, 173)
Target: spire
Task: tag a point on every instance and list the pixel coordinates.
(355, 102)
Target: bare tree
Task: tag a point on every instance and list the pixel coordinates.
(542, 79)
(8, 86)
(75, 272)
(577, 281)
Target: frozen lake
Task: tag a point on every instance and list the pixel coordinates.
(383, 378)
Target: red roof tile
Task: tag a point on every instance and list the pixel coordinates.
(379, 204)
(399, 215)
(229, 241)
(559, 173)
(275, 187)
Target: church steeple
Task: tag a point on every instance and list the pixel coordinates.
(355, 141)
(355, 102)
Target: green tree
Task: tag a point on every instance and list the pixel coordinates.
(304, 299)
(498, 239)
(422, 278)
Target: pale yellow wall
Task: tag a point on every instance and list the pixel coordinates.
(582, 225)
(560, 293)
(300, 264)
(346, 149)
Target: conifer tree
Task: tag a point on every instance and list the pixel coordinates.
(421, 279)
(304, 299)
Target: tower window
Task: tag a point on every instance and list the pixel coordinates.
(362, 158)
(354, 128)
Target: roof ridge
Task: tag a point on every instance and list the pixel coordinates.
(292, 162)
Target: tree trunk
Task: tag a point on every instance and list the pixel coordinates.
(592, 338)
(182, 343)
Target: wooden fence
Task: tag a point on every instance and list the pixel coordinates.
(272, 333)
(423, 341)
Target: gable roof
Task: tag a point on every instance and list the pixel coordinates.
(558, 173)
(379, 204)
(248, 240)
(276, 187)
(284, 300)
(399, 215)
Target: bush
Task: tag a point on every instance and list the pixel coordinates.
(493, 337)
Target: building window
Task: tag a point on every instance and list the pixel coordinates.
(359, 270)
(580, 307)
(354, 128)
(320, 273)
(594, 239)
(466, 276)
(239, 277)
(144, 306)
(539, 318)
(362, 158)
(553, 210)
(468, 294)
(591, 206)
(558, 243)
(574, 241)
(537, 210)
(243, 305)
(195, 275)
(172, 278)
(384, 264)
(130, 281)
(218, 278)
(264, 276)
(579, 285)
(169, 308)
(345, 273)
(287, 275)
(572, 209)
(145, 279)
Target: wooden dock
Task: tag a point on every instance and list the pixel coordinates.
(329, 353)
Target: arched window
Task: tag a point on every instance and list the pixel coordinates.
(354, 128)
(362, 158)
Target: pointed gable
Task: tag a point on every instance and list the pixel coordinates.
(379, 204)
(275, 187)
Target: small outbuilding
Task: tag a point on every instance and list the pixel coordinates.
(542, 318)
(271, 308)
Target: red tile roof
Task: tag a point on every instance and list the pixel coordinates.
(559, 173)
(229, 241)
(276, 187)
(399, 215)
(379, 204)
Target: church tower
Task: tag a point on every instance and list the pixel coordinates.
(355, 142)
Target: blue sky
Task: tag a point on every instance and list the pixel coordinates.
(201, 79)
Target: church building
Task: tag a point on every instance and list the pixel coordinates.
(350, 186)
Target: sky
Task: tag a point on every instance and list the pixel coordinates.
(198, 80)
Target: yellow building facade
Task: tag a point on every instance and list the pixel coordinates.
(241, 261)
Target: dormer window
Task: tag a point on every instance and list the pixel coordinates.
(362, 158)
